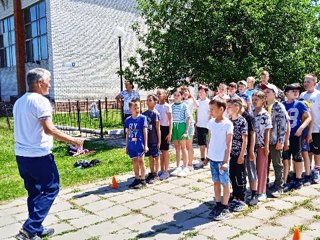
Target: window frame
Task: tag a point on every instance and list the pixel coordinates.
(8, 42)
(35, 39)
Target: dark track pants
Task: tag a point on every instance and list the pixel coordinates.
(238, 179)
(41, 180)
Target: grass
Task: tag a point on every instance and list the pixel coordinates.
(114, 161)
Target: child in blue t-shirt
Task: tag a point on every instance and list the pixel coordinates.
(136, 143)
(154, 138)
(296, 110)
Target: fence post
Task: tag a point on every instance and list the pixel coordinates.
(106, 107)
(7, 115)
(100, 119)
(78, 116)
(87, 102)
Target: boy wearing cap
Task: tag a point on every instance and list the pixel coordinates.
(279, 136)
(242, 88)
(296, 110)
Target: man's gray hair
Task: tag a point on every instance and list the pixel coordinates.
(37, 74)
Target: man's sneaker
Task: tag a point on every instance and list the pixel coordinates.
(233, 204)
(222, 214)
(199, 165)
(176, 171)
(297, 185)
(164, 176)
(277, 192)
(315, 176)
(135, 183)
(24, 235)
(150, 177)
(47, 232)
(213, 212)
(253, 201)
(306, 181)
(240, 206)
(262, 197)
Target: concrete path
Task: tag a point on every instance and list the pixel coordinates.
(173, 209)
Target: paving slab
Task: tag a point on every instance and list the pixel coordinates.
(81, 234)
(114, 212)
(123, 198)
(306, 214)
(85, 221)
(6, 220)
(132, 219)
(92, 198)
(278, 204)
(243, 223)
(138, 204)
(10, 230)
(103, 228)
(290, 221)
(70, 214)
(248, 236)
(262, 213)
(98, 205)
(157, 210)
(219, 231)
(272, 232)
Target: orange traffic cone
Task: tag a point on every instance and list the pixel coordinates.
(296, 235)
(114, 183)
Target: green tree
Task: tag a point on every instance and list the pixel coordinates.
(225, 40)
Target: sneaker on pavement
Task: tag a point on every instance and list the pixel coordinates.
(213, 212)
(150, 177)
(253, 201)
(47, 232)
(315, 176)
(233, 204)
(297, 185)
(222, 214)
(199, 165)
(184, 172)
(24, 235)
(277, 192)
(307, 181)
(135, 183)
(287, 187)
(176, 171)
(241, 205)
(155, 178)
(164, 176)
(262, 197)
(191, 168)
(141, 184)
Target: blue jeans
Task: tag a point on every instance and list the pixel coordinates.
(41, 180)
(217, 174)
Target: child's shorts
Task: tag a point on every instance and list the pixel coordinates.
(315, 145)
(135, 153)
(294, 150)
(251, 168)
(178, 129)
(153, 151)
(164, 145)
(202, 136)
(217, 174)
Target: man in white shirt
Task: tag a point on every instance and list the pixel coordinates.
(33, 134)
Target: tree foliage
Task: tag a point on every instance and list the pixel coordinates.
(225, 40)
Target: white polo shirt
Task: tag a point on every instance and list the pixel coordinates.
(30, 138)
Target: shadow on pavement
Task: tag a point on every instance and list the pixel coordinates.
(185, 220)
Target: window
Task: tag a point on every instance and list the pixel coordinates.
(36, 32)
(7, 43)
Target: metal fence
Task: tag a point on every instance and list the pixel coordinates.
(97, 117)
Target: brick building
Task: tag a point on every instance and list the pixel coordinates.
(74, 39)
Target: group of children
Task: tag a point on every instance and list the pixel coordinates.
(241, 131)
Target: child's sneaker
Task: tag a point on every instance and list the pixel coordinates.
(149, 178)
(191, 168)
(199, 165)
(276, 193)
(297, 185)
(307, 181)
(253, 201)
(240, 206)
(164, 176)
(262, 197)
(222, 214)
(213, 212)
(184, 172)
(315, 176)
(176, 171)
(135, 183)
(233, 204)
(154, 178)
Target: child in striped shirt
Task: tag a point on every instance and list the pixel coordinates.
(180, 129)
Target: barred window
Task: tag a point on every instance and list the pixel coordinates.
(7, 43)
(36, 32)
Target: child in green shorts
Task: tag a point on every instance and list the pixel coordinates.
(180, 128)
